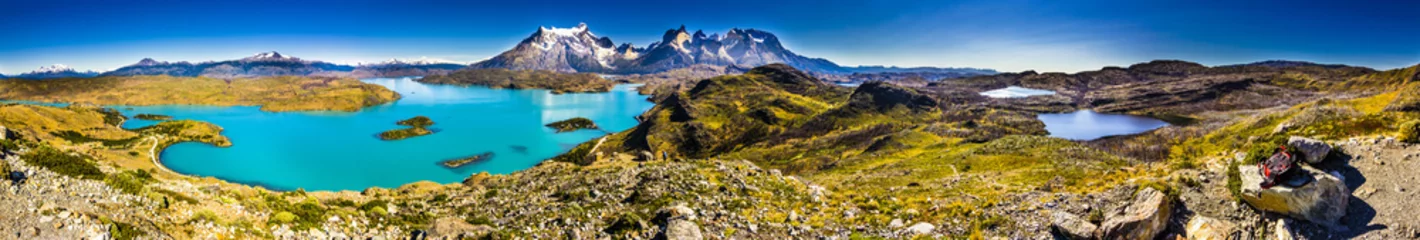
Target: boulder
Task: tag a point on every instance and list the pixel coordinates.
(1323, 201)
(4, 133)
(678, 223)
(920, 228)
(1206, 228)
(1071, 226)
(1313, 151)
(1283, 230)
(1144, 218)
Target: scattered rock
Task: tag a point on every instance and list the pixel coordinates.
(1072, 226)
(1206, 228)
(1313, 151)
(456, 228)
(1144, 218)
(896, 223)
(1323, 201)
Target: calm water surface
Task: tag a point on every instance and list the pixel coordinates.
(339, 150)
(1090, 125)
(1016, 92)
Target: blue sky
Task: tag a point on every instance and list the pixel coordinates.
(1006, 35)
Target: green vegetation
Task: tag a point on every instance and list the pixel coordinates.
(417, 121)
(1409, 132)
(417, 127)
(76, 137)
(275, 94)
(131, 181)
(65, 163)
(153, 117)
(524, 79)
(572, 124)
(460, 162)
(398, 134)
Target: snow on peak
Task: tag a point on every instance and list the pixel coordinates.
(565, 32)
(56, 68)
(268, 55)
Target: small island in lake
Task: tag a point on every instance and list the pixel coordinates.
(572, 124)
(460, 162)
(153, 117)
(417, 127)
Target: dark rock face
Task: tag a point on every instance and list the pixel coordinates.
(883, 96)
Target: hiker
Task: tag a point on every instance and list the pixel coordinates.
(1281, 167)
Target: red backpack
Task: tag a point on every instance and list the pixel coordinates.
(1276, 166)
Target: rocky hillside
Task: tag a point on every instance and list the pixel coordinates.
(524, 79)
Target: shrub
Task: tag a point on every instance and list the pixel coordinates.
(1410, 132)
(63, 163)
(284, 217)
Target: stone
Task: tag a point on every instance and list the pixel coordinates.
(456, 228)
(679, 223)
(1072, 226)
(896, 223)
(1144, 218)
(1323, 201)
(4, 133)
(1313, 151)
(1283, 230)
(645, 156)
(920, 228)
(1206, 228)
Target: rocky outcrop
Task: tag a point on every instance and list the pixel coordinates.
(1206, 228)
(1072, 226)
(1144, 218)
(1323, 201)
(1313, 151)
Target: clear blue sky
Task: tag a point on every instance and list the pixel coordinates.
(1002, 34)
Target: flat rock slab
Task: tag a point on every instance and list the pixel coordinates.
(1323, 201)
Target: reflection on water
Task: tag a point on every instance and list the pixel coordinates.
(1016, 92)
(1089, 125)
(339, 151)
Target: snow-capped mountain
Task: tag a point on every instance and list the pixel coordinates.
(258, 65)
(574, 49)
(55, 71)
(577, 49)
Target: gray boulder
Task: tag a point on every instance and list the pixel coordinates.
(1323, 201)
(679, 223)
(1144, 218)
(1072, 226)
(1313, 151)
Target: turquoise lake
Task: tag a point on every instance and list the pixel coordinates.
(340, 150)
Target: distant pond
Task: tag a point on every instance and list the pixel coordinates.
(1016, 92)
(340, 150)
(1090, 125)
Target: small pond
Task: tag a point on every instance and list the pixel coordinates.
(1090, 125)
(1016, 92)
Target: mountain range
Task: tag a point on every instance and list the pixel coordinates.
(54, 71)
(574, 49)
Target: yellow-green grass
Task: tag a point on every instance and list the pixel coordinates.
(275, 94)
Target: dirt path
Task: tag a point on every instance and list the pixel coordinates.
(1384, 176)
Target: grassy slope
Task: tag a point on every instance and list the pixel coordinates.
(272, 93)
